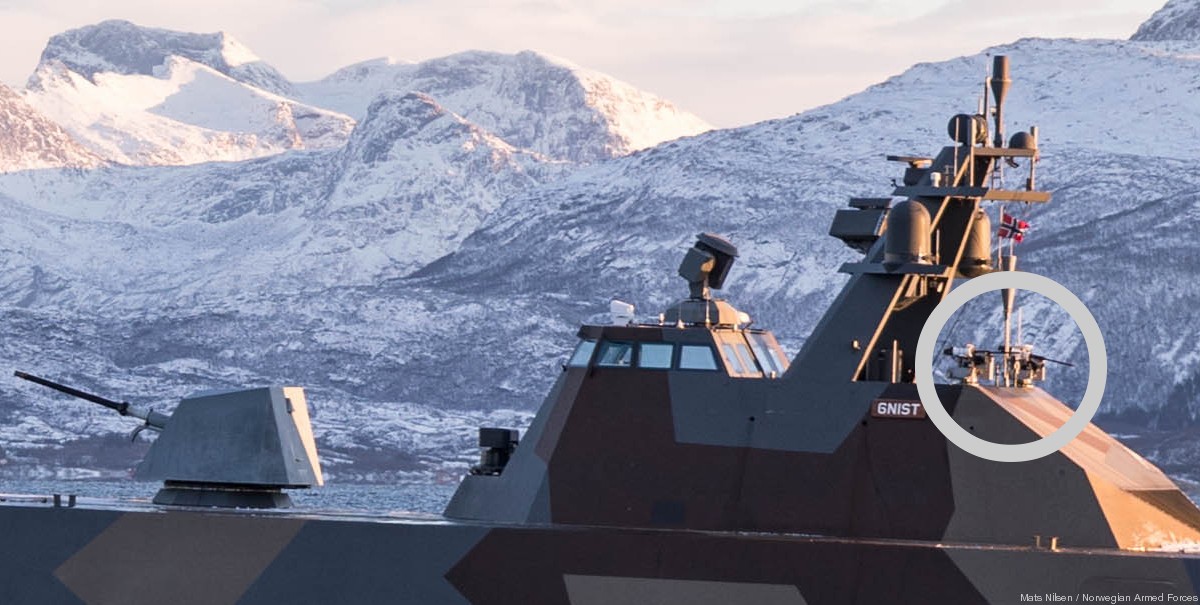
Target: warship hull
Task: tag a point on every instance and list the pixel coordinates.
(96, 554)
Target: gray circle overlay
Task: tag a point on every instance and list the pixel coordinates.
(1097, 374)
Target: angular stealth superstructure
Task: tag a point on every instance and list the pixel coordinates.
(688, 461)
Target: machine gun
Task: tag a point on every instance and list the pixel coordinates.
(972, 364)
(152, 420)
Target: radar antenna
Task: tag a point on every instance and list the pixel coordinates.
(705, 267)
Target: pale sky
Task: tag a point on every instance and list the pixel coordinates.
(731, 62)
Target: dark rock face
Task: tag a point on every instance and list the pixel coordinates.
(1177, 20)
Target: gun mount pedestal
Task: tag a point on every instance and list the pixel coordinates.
(183, 493)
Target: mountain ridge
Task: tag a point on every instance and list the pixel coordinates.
(31, 140)
(246, 273)
(523, 98)
(149, 96)
(1176, 20)
(184, 112)
(126, 48)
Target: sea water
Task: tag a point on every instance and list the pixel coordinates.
(417, 497)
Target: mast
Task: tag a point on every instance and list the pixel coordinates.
(898, 283)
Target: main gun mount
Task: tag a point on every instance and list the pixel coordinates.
(235, 449)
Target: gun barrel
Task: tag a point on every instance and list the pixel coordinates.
(120, 407)
(153, 419)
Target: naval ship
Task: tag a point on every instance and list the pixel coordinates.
(685, 460)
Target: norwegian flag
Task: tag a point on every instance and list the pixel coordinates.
(1012, 227)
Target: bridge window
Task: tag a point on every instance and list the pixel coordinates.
(582, 354)
(655, 355)
(763, 352)
(697, 357)
(747, 358)
(615, 354)
(731, 358)
(769, 355)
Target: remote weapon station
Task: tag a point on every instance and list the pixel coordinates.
(686, 460)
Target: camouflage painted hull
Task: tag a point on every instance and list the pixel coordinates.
(132, 556)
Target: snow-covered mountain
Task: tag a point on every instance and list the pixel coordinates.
(530, 100)
(413, 182)
(1177, 20)
(146, 96)
(121, 47)
(147, 283)
(142, 96)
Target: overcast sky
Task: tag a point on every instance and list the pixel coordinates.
(731, 62)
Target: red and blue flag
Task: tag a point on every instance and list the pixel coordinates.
(1012, 228)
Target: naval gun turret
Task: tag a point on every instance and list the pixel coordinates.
(236, 448)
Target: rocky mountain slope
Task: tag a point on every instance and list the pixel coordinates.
(140, 96)
(544, 104)
(121, 47)
(147, 96)
(1177, 20)
(31, 140)
(434, 268)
